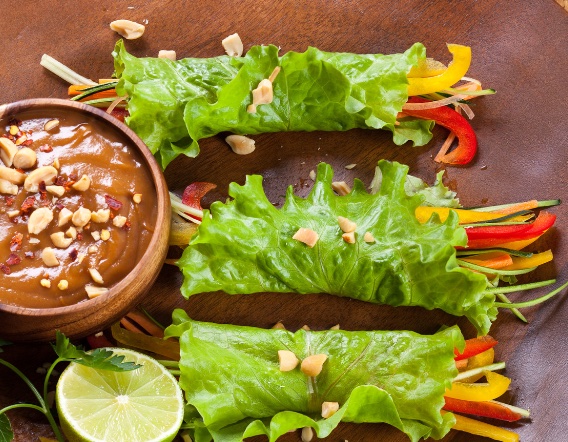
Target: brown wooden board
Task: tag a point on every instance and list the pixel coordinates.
(519, 50)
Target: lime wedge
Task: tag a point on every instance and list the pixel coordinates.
(141, 405)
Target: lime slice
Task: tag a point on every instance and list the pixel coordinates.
(141, 405)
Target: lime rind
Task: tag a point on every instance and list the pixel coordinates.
(144, 405)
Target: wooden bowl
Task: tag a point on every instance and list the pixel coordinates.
(79, 320)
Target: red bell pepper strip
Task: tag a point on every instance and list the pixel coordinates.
(475, 346)
(194, 192)
(120, 113)
(492, 236)
(451, 120)
(493, 410)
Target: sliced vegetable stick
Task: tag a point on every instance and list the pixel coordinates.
(492, 260)
(519, 263)
(473, 426)
(475, 346)
(130, 326)
(527, 205)
(465, 216)
(165, 347)
(146, 323)
(490, 409)
(519, 245)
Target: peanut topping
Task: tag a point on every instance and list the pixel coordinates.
(96, 276)
(368, 237)
(92, 249)
(349, 237)
(263, 94)
(307, 434)
(240, 144)
(83, 184)
(119, 221)
(93, 291)
(307, 236)
(63, 285)
(21, 140)
(233, 45)
(71, 232)
(170, 55)
(346, 224)
(137, 198)
(105, 235)
(51, 124)
(45, 283)
(64, 216)
(96, 235)
(8, 151)
(14, 129)
(128, 29)
(279, 326)
(81, 217)
(335, 327)
(313, 365)
(58, 239)
(7, 187)
(287, 360)
(25, 158)
(341, 187)
(49, 258)
(46, 174)
(56, 190)
(13, 213)
(12, 175)
(39, 219)
(100, 216)
(328, 409)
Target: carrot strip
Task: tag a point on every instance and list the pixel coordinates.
(146, 324)
(527, 205)
(492, 260)
(164, 347)
(130, 326)
(78, 89)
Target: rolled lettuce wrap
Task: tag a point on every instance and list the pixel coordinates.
(231, 375)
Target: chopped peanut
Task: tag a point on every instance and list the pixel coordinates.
(46, 174)
(233, 45)
(263, 94)
(92, 249)
(25, 158)
(71, 232)
(13, 213)
(349, 237)
(279, 326)
(335, 327)
(65, 216)
(14, 129)
(83, 184)
(274, 74)
(346, 224)
(312, 175)
(8, 150)
(96, 235)
(341, 187)
(56, 163)
(58, 239)
(45, 283)
(56, 190)
(350, 166)
(94, 291)
(63, 284)
(307, 434)
(49, 258)
(100, 216)
(80, 257)
(307, 236)
(105, 235)
(39, 220)
(8, 188)
(313, 365)
(119, 221)
(240, 144)
(81, 217)
(170, 55)
(328, 409)
(128, 29)
(368, 237)
(137, 198)
(51, 124)
(96, 276)
(305, 327)
(287, 360)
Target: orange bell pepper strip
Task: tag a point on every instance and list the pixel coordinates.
(495, 386)
(482, 429)
(481, 360)
(475, 346)
(492, 260)
(493, 410)
(455, 71)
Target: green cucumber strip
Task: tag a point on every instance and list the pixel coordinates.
(521, 287)
(479, 370)
(515, 311)
(511, 252)
(545, 203)
(93, 90)
(532, 301)
(493, 271)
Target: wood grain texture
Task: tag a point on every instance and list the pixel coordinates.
(520, 51)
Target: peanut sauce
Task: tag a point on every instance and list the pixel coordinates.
(119, 185)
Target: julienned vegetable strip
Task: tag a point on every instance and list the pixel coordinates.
(475, 346)
(473, 426)
(490, 409)
(451, 120)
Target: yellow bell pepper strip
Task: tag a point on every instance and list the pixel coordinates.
(537, 259)
(478, 428)
(451, 120)
(491, 409)
(455, 71)
(481, 360)
(519, 245)
(495, 386)
(427, 67)
(423, 214)
(475, 346)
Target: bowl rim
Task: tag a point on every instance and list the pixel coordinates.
(163, 202)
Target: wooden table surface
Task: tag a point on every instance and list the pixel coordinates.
(520, 51)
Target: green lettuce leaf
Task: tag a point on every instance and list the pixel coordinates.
(231, 376)
(174, 104)
(6, 434)
(246, 246)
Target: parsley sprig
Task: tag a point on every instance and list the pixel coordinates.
(100, 358)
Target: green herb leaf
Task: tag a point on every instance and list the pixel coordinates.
(246, 246)
(6, 434)
(3, 343)
(99, 358)
(174, 104)
(397, 377)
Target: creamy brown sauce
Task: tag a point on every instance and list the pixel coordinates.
(82, 146)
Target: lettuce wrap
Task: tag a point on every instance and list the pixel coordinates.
(231, 375)
(247, 246)
(174, 104)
